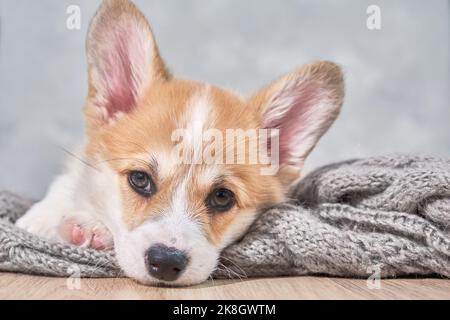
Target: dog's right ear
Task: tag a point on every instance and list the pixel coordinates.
(301, 105)
(123, 61)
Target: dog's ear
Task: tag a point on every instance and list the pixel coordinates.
(302, 106)
(123, 61)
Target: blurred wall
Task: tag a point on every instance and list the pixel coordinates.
(397, 77)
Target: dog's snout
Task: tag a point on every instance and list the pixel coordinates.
(165, 263)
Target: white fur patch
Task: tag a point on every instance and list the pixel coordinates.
(196, 120)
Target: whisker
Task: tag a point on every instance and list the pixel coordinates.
(231, 273)
(235, 265)
(212, 279)
(78, 158)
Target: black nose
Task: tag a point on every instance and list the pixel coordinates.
(165, 263)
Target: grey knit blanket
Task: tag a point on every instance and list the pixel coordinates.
(385, 215)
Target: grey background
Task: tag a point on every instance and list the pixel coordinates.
(397, 78)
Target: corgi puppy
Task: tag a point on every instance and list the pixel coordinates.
(168, 220)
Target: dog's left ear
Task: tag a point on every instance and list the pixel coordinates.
(123, 61)
(302, 106)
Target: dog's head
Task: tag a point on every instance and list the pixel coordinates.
(153, 136)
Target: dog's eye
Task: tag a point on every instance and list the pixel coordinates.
(220, 200)
(141, 183)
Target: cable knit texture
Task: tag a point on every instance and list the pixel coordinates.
(388, 215)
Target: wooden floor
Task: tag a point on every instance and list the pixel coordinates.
(14, 286)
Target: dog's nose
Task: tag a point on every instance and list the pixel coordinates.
(165, 263)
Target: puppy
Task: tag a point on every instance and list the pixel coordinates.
(167, 219)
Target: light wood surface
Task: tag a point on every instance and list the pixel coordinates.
(15, 286)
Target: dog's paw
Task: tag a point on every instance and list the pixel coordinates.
(39, 221)
(86, 232)
(54, 223)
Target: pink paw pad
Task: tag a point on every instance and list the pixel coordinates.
(98, 238)
(99, 241)
(78, 236)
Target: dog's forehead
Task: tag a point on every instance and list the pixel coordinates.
(189, 109)
(180, 104)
